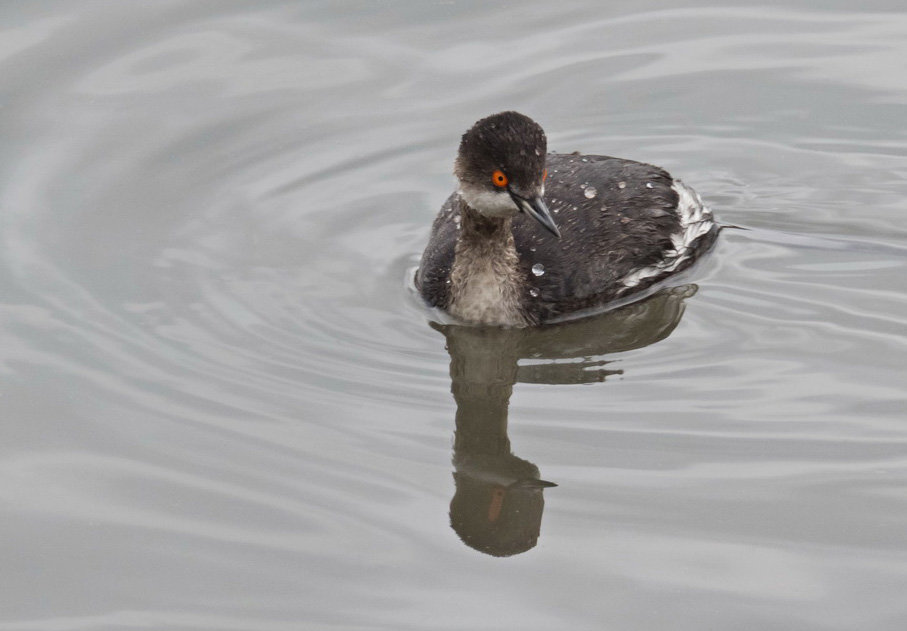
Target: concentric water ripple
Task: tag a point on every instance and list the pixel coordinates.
(222, 409)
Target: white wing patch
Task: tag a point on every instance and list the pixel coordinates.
(695, 221)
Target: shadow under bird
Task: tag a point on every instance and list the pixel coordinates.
(499, 497)
(530, 237)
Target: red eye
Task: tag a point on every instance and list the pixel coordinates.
(499, 179)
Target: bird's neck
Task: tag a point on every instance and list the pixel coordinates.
(486, 282)
(481, 231)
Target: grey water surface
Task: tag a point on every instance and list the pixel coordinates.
(223, 408)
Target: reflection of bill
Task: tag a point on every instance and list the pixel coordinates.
(498, 503)
(497, 519)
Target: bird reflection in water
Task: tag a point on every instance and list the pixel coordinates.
(498, 503)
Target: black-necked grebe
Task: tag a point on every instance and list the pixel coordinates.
(615, 228)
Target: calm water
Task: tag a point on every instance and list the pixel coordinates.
(223, 409)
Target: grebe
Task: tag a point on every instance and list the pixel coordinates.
(530, 237)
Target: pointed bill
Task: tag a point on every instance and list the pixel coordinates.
(535, 207)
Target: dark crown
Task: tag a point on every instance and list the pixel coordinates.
(509, 141)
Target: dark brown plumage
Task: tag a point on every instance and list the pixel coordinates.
(624, 226)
